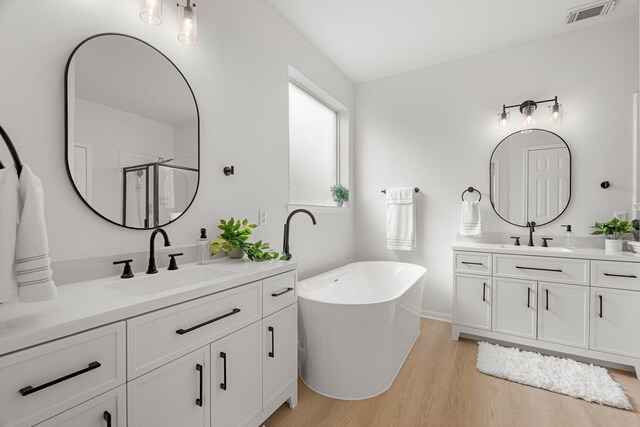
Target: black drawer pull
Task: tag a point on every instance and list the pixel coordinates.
(528, 297)
(272, 353)
(600, 297)
(200, 375)
(29, 389)
(471, 263)
(628, 276)
(277, 294)
(539, 269)
(184, 331)
(484, 292)
(107, 417)
(223, 384)
(547, 302)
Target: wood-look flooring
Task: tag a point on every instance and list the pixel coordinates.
(439, 385)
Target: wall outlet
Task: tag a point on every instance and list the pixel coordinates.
(621, 215)
(262, 217)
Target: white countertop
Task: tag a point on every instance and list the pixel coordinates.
(556, 252)
(85, 305)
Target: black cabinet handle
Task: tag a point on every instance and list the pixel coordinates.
(223, 384)
(484, 291)
(184, 331)
(471, 263)
(272, 353)
(200, 375)
(107, 417)
(539, 269)
(628, 276)
(277, 294)
(528, 297)
(546, 291)
(600, 297)
(30, 389)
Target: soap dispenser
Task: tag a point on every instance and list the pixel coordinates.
(202, 248)
(568, 240)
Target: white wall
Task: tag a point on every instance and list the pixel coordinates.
(239, 74)
(435, 128)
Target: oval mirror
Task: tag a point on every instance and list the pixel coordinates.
(530, 177)
(132, 132)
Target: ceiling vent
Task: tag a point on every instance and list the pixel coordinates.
(590, 10)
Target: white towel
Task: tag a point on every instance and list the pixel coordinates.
(470, 221)
(401, 219)
(167, 198)
(8, 229)
(33, 266)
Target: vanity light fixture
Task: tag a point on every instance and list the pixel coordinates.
(188, 24)
(151, 11)
(528, 108)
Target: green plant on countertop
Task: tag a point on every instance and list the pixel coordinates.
(259, 251)
(339, 193)
(612, 229)
(234, 235)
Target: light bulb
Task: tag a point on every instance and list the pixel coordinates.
(503, 120)
(188, 24)
(555, 113)
(151, 12)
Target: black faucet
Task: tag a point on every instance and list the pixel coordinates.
(532, 228)
(151, 269)
(285, 245)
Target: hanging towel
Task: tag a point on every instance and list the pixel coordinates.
(167, 198)
(33, 266)
(8, 229)
(470, 222)
(401, 219)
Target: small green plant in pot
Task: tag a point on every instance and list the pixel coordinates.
(340, 194)
(260, 251)
(234, 240)
(612, 230)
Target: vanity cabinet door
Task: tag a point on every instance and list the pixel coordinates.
(514, 307)
(279, 353)
(176, 394)
(236, 377)
(615, 316)
(563, 314)
(472, 301)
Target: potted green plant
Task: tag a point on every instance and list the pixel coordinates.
(260, 251)
(340, 194)
(612, 230)
(233, 237)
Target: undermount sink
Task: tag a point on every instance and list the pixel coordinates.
(536, 248)
(146, 284)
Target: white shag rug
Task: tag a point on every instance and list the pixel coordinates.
(565, 376)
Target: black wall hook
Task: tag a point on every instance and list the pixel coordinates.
(471, 190)
(229, 170)
(605, 184)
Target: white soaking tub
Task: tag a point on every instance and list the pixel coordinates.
(357, 324)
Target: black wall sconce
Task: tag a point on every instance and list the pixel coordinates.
(229, 170)
(528, 108)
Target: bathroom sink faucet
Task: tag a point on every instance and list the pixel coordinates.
(285, 245)
(151, 269)
(532, 229)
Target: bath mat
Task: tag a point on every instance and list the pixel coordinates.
(564, 376)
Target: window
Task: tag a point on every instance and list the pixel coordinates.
(317, 131)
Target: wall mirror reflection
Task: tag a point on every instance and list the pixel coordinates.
(132, 132)
(530, 173)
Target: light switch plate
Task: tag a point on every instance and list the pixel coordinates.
(262, 217)
(621, 215)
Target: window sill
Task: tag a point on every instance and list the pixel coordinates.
(319, 208)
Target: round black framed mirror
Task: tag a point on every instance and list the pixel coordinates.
(530, 177)
(132, 132)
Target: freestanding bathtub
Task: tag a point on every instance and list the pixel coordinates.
(357, 324)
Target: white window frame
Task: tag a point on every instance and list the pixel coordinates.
(342, 140)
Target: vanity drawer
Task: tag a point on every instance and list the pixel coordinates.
(612, 274)
(278, 292)
(42, 381)
(564, 270)
(472, 263)
(159, 337)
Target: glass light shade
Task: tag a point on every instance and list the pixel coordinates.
(555, 114)
(529, 120)
(151, 12)
(188, 24)
(503, 120)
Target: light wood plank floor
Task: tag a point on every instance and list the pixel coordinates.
(439, 385)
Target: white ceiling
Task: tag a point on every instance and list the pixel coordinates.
(372, 39)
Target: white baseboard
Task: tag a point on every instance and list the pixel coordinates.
(436, 315)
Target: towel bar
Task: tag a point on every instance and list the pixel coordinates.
(415, 190)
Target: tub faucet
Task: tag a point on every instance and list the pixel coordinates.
(285, 245)
(151, 269)
(532, 228)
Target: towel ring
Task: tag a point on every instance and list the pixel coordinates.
(471, 190)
